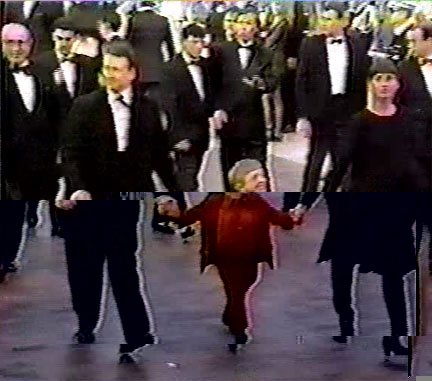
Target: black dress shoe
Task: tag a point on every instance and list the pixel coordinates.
(240, 341)
(189, 232)
(10, 268)
(392, 346)
(57, 232)
(129, 354)
(32, 222)
(347, 330)
(84, 337)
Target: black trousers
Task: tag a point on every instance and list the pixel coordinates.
(393, 291)
(12, 215)
(234, 150)
(237, 279)
(32, 213)
(97, 231)
(187, 166)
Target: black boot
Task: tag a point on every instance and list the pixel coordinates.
(392, 346)
(83, 337)
(129, 353)
(240, 340)
(347, 330)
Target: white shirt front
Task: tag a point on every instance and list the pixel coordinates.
(245, 56)
(427, 75)
(122, 117)
(28, 7)
(338, 61)
(27, 89)
(197, 76)
(68, 70)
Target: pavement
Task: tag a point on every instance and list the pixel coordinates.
(293, 317)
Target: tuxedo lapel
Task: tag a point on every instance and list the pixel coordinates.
(419, 80)
(106, 122)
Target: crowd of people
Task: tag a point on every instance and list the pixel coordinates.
(100, 95)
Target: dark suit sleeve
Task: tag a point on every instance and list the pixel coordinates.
(347, 144)
(169, 40)
(76, 140)
(161, 162)
(302, 78)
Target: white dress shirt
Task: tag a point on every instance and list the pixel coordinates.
(245, 54)
(197, 76)
(338, 58)
(427, 75)
(68, 70)
(28, 7)
(121, 116)
(27, 89)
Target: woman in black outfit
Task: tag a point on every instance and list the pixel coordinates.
(378, 145)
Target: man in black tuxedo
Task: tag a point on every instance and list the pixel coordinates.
(12, 215)
(148, 31)
(113, 138)
(95, 232)
(330, 87)
(188, 98)
(38, 16)
(247, 72)
(416, 76)
(29, 142)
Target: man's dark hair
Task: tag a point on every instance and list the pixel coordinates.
(111, 18)
(122, 49)
(193, 30)
(426, 28)
(65, 23)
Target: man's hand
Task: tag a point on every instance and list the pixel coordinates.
(65, 204)
(292, 63)
(304, 128)
(184, 146)
(81, 195)
(298, 214)
(220, 118)
(255, 82)
(167, 206)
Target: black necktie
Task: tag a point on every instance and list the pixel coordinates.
(120, 99)
(336, 41)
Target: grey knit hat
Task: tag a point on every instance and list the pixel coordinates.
(237, 174)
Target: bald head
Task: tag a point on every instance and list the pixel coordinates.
(17, 42)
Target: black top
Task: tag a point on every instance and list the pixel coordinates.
(380, 150)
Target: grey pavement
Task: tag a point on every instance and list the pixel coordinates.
(293, 318)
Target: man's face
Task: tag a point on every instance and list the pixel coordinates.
(229, 22)
(255, 181)
(421, 47)
(385, 86)
(63, 41)
(330, 24)
(17, 46)
(118, 72)
(246, 27)
(193, 46)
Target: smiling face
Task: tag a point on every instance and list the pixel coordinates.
(255, 181)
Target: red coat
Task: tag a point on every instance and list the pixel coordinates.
(251, 228)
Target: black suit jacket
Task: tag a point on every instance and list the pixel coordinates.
(188, 114)
(313, 83)
(29, 141)
(416, 97)
(40, 21)
(86, 79)
(148, 31)
(92, 161)
(243, 103)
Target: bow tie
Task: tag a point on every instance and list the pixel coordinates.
(250, 48)
(195, 62)
(336, 41)
(425, 61)
(21, 69)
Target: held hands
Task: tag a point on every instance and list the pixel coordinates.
(80, 195)
(184, 146)
(65, 204)
(297, 214)
(167, 206)
(255, 82)
(304, 128)
(220, 118)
